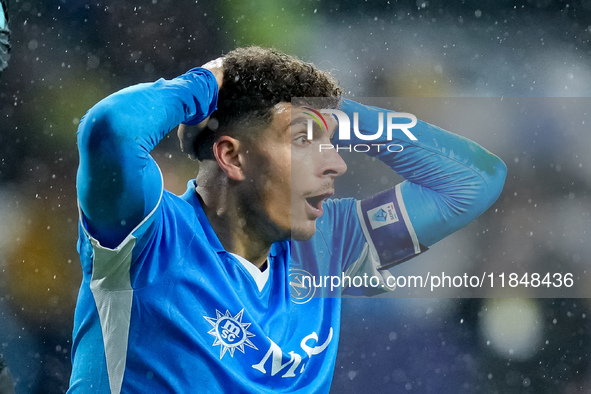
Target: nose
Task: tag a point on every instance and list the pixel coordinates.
(333, 164)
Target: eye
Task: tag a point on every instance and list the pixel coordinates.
(302, 139)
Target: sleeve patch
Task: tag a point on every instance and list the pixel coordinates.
(382, 216)
(388, 229)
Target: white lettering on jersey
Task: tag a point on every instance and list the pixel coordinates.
(276, 365)
(316, 349)
(295, 359)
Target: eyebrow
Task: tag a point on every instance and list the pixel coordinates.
(304, 120)
(297, 120)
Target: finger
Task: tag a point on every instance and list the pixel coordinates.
(216, 63)
(216, 66)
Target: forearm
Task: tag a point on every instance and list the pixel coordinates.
(118, 182)
(450, 180)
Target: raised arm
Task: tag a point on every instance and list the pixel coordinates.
(118, 182)
(449, 180)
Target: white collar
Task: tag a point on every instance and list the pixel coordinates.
(260, 277)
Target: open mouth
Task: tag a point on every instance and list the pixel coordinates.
(316, 201)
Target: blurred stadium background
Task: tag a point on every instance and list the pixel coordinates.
(68, 54)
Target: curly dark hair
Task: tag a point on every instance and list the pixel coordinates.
(255, 80)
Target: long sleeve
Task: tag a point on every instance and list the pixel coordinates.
(118, 182)
(449, 180)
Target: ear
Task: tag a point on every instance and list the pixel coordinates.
(227, 153)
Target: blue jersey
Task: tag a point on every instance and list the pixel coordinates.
(164, 308)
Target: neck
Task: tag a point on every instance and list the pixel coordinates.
(231, 223)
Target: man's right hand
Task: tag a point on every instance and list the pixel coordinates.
(217, 69)
(188, 134)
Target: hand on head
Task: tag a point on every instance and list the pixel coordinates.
(188, 134)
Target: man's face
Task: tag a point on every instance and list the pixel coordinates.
(290, 174)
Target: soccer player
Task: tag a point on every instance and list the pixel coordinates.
(204, 292)
(4, 35)
(6, 383)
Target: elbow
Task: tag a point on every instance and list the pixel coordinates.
(495, 179)
(99, 126)
(478, 192)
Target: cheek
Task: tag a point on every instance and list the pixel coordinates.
(302, 172)
(302, 165)
(284, 185)
(281, 170)
(276, 174)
